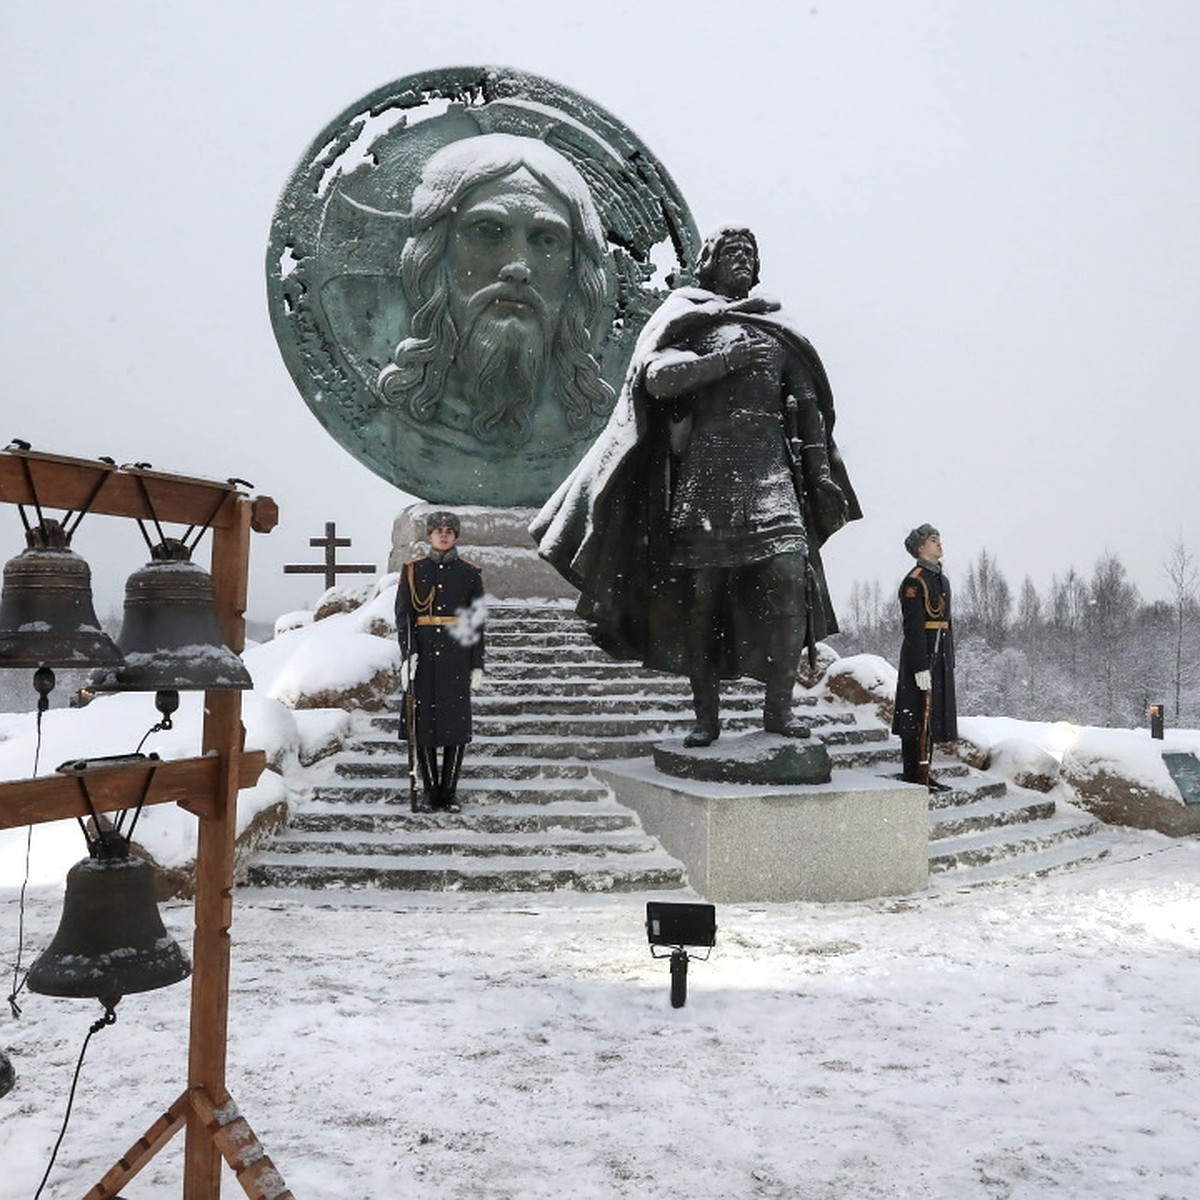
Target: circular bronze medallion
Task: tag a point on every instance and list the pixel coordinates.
(457, 272)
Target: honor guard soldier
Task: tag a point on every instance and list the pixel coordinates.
(440, 616)
(925, 710)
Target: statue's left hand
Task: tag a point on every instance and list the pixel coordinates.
(831, 501)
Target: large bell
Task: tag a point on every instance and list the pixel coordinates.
(111, 940)
(169, 636)
(47, 618)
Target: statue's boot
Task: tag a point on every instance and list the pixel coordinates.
(706, 700)
(452, 758)
(785, 642)
(427, 761)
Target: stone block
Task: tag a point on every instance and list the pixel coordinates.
(855, 838)
(497, 540)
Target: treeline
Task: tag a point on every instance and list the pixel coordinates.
(1090, 651)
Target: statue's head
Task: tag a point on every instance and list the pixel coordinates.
(918, 537)
(728, 262)
(507, 273)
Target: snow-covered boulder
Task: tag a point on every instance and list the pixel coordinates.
(1120, 777)
(169, 844)
(377, 615)
(1024, 763)
(322, 732)
(345, 669)
(328, 664)
(292, 620)
(863, 679)
(343, 598)
(809, 676)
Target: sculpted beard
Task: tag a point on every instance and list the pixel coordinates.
(500, 360)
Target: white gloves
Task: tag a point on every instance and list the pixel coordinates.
(408, 672)
(924, 681)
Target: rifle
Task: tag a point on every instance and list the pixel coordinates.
(924, 749)
(410, 728)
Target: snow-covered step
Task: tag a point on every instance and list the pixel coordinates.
(990, 812)
(446, 839)
(1048, 860)
(393, 764)
(1009, 841)
(566, 683)
(455, 872)
(877, 753)
(509, 818)
(476, 789)
(604, 724)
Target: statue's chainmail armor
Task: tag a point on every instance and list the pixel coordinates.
(734, 499)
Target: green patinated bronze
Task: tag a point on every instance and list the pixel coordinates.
(1185, 771)
(754, 759)
(457, 272)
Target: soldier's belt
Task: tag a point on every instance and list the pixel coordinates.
(937, 624)
(437, 620)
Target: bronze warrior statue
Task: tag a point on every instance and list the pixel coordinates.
(693, 526)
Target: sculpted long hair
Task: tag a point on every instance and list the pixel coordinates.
(417, 379)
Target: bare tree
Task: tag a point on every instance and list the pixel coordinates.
(1185, 581)
(987, 601)
(1068, 607)
(1111, 614)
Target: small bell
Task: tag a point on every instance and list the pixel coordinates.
(169, 636)
(111, 940)
(47, 617)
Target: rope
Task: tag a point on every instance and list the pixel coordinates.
(109, 1018)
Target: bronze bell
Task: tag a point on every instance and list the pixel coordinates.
(169, 636)
(47, 618)
(111, 940)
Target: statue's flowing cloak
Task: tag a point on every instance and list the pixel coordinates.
(605, 529)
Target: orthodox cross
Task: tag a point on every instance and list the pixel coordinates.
(330, 568)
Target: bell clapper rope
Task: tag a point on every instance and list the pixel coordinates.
(109, 1018)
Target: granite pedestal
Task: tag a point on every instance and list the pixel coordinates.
(856, 837)
(496, 539)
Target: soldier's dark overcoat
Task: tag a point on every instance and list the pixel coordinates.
(925, 609)
(439, 616)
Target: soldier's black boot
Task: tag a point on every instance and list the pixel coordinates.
(452, 758)
(910, 760)
(785, 642)
(427, 761)
(706, 700)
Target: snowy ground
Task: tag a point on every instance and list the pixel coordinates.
(1031, 1040)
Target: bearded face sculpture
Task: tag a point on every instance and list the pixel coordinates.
(506, 275)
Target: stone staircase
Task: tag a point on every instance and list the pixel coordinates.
(535, 818)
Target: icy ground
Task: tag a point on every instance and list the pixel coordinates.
(1028, 1041)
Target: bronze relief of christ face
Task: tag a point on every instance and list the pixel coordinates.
(507, 275)
(458, 271)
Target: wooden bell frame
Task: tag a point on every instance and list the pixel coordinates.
(206, 786)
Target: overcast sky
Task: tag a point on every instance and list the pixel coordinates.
(984, 214)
